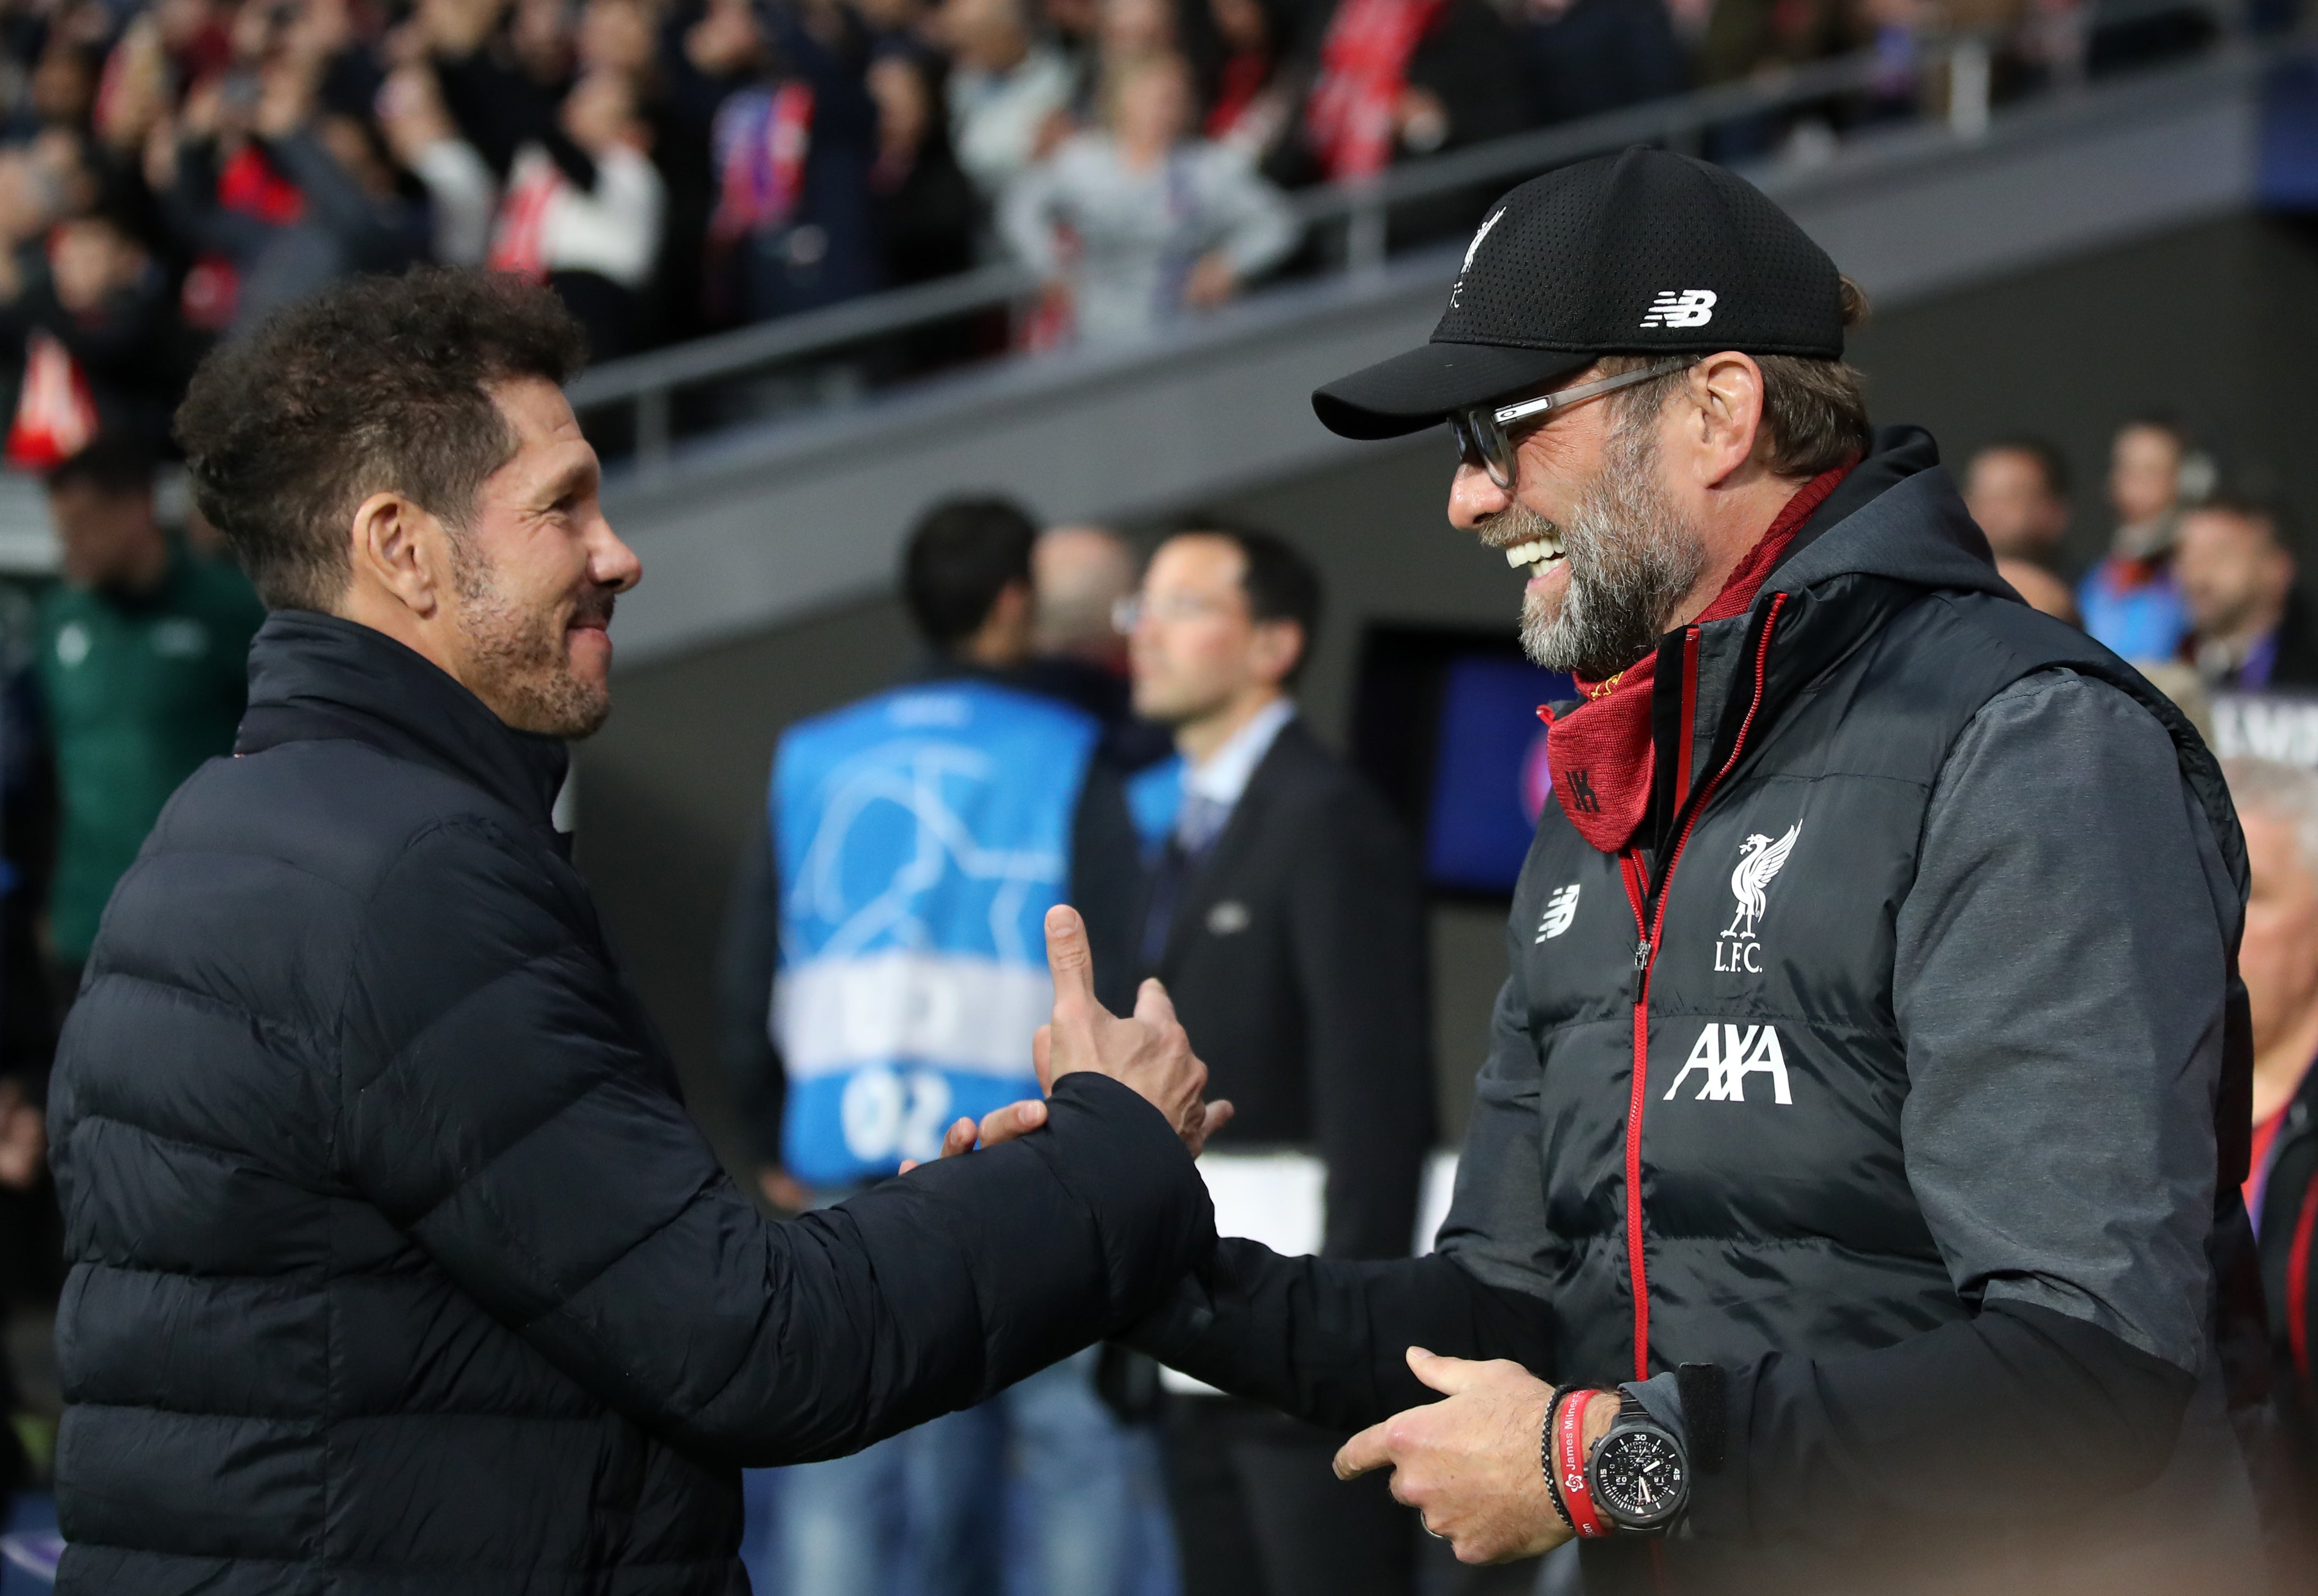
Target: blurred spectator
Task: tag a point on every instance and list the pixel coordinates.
(583, 211)
(2018, 490)
(2250, 627)
(2037, 584)
(2129, 599)
(1080, 576)
(793, 138)
(273, 185)
(462, 190)
(142, 650)
(1132, 225)
(1745, 38)
(1009, 93)
(1391, 80)
(1235, 47)
(89, 309)
(925, 208)
(867, 871)
(1285, 915)
(2278, 956)
(1583, 57)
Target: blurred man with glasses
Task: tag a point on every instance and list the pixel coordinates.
(1285, 917)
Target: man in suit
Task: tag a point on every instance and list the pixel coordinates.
(1284, 915)
(2249, 628)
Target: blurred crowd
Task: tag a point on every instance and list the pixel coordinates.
(171, 171)
(2198, 585)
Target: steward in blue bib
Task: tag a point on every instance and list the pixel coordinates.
(920, 837)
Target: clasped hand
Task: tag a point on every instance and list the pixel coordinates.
(1471, 1464)
(1146, 1050)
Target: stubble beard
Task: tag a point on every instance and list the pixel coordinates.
(1632, 559)
(519, 661)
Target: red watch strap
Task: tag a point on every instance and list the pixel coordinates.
(1569, 1467)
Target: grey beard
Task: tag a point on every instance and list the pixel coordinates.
(1632, 559)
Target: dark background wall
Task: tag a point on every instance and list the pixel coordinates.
(2217, 324)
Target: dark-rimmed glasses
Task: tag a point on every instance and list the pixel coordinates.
(1480, 433)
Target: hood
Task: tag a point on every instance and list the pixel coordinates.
(313, 676)
(1898, 515)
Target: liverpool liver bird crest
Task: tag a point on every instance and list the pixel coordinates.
(1759, 859)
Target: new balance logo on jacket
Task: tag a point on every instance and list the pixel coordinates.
(1559, 911)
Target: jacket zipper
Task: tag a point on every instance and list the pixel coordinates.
(1649, 900)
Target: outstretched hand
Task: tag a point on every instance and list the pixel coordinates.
(1147, 1052)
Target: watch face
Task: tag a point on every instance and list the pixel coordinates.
(1638, 1476)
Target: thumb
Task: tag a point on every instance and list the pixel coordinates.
(1448, 1376)
(1067, 958)
(1152, 1003)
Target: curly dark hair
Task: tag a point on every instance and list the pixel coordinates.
(378, 384)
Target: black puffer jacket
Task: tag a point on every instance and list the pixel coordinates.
(396, 1265)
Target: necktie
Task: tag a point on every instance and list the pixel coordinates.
(1197, 826)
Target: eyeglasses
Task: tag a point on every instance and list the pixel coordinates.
(1129, 612)
(1480, 430)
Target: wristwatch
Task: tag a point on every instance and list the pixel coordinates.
(1638, 1474)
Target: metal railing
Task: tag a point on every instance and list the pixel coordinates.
(1359, 212)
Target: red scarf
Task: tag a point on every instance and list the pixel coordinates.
(1599, 753)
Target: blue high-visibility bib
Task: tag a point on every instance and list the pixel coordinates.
(921, 836)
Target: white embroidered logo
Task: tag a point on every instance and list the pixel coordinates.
(1759, 860)
(1690, 307)
(1560, 909)
(1473, 249)
(1729, 1053)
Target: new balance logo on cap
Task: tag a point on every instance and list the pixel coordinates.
(1691, 307)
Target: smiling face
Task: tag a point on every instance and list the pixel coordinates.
(1609, 552)
(536, 568)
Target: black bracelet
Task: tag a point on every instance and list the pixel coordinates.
(1545, 1458)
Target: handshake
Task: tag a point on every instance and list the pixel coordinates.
(1147, 1052)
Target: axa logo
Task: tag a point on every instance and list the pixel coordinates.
(1760, 859)
(1726, 1055)
(1687, 307)
(1560, 909)
(1471, 250)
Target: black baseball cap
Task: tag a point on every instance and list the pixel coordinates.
(1642, 253)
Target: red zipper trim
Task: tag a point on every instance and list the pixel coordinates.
(1689, 714)
(1646, 953)
(2297, 1284)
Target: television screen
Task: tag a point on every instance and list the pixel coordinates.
(1446, 724)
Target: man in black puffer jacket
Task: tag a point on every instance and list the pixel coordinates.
(397, 1264)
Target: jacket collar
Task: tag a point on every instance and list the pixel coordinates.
(315, 675)
(1893, 529)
